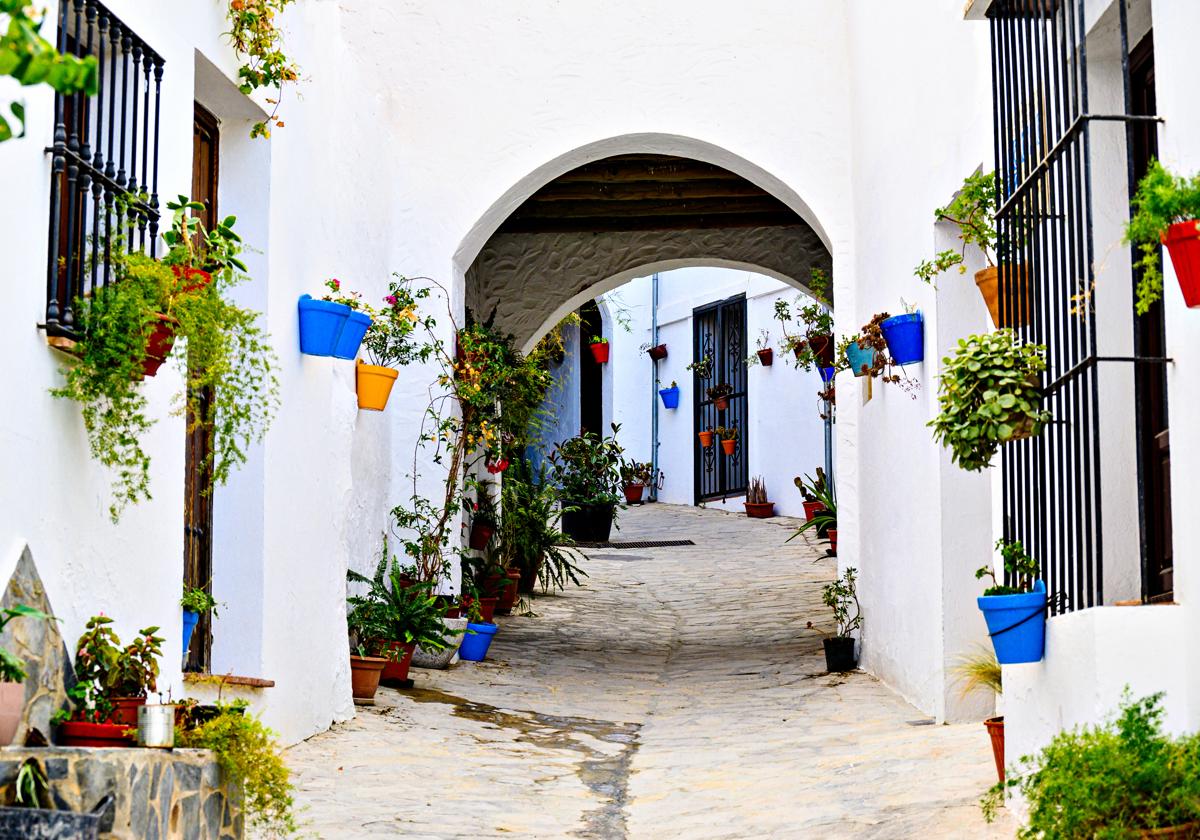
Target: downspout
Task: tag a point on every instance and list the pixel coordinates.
(654, 389)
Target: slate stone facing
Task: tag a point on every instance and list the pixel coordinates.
(159, 794)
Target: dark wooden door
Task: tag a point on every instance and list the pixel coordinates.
(1151, 383)
(198, 480)
(719, 334)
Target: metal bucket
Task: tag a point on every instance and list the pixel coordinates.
(156, 726)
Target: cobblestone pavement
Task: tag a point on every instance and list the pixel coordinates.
(678, 694)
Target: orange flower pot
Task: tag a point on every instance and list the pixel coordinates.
(730, 446)
(706, 439)
(374, 385)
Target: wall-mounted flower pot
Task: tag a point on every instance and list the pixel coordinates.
(588, 523)
(811, 509)
(321, 323)
(832, 534)
(159, 344)
(826, 374)
(352, 335)
(125, 710)
(823, 349)
(706, 438)
(995, 731)
(658, 353)
(799, 346)
(839, 654)
(670, 397)
(508, 593)
(476, 641)
(987, 280)
(399, 659)
(721, 403)
(12, 701)
(633, 492)
(190, 619)
(487, 608)
(1017, 624)
(373, 384)
(730, 446)
(760, 510)
(905, 337)
(766, 357)
(78, 733)
(365, 672)
(1183, 244)
(481, 534)
(600, 352)
(860, 359)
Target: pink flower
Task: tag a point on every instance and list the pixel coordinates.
(335, 284)
(391, 299)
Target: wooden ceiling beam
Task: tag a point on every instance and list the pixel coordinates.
(644, 190)
(655, 207)
(639, 223)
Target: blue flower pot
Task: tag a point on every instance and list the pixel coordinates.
(189, 626)
(826, 374)
(476, 641)
(352, 335)
(670, 397)
(859, 357)
(1017, 624)
(321, 323)
(905, 337)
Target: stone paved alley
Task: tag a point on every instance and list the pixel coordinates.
(678, 694)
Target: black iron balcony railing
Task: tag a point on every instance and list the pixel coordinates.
(104, 172)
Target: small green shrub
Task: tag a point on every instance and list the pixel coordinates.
(1162, 199)
(1021, 568)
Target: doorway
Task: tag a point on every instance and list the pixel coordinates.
(719, 351)
(591, 372)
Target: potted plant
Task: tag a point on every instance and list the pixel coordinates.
(973, 212)
(980, 671)
(1165, 212)
(702, 367)
(824, 518)
(841, 597)
(587, 471)
(658, 352)
(196, 601)
(764, 354)
(635, 478)
(706, 437)
(670, 395)
(719, 394)
(477, 640)
(600, 349)
(390, 344)
(905, 337)
(758, 506)
(335, 325)
(483, 522)
(988, 395)
(1015, 612)
(1123, 778)
(812, 491)
(12, 675)
(530, 539)
(813, 344)
(33, 812)
(729, 438)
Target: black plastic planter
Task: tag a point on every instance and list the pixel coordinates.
(40, 824)
(588, 523)
(839, 654)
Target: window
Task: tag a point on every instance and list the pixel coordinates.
(104, 172)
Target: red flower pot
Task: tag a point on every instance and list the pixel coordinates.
(799, 347)
(1183, 244)
(600, 352)
(508, 595)
(398, 660)
(78, 733)
(125, 710)
(365, 672)
(481, 534)
(822, 347)
(995, 731)
(833, 540)
(633, 493)
(706, 439)
(766, 357)
(158, 345)
(721, 403)
(759, 510)
(730, 446)
(658, 353)
(487, 609)
(812, 508)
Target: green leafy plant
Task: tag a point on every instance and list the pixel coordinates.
(529, 538)
(105, 670)
(973, 210)
(813, 323)
(1020, 568)
(818, 491)
(811, 490)
(841, 596)
(599, 339)
(255, 35)
(702, 367)
(721, 389)
(393, 609)
(587, 469)
(390, 340)
(251, 758)
(1161, 200)
(637, 472)
(135, 672)
(31, 790)
(30, 59)
(1112, 781)
(988, 395)
(12, 668)
(727, 432)
(196, 599)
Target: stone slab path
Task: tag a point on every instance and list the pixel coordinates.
(678, 694)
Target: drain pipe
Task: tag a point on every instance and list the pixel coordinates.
(654, 389)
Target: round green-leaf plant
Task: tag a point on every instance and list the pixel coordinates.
(1162, 199)
(196, 599)
(587, 469)
(988, 394)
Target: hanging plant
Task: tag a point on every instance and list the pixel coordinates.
(989, 395)
(1165, 210)
(258, 41)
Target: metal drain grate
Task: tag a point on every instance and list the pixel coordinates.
(636, 544)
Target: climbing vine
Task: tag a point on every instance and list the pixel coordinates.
(258, 41)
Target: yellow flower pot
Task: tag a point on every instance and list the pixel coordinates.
(374, 385)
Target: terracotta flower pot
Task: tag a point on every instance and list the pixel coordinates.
(77, 733)
(766, 357)
(365, 672)
(12, 702)
(730, 446)
(529, 577)
(987, 280)
(508, 593)
(760, 510)
(799, 347)
(995, 731)
(832, 534)
(487, 608)
(633, 492)
(481, 534)
(1183, 244)
(373, 385)
(658, 353)
(706, 439)
(600, 352)
(125, 710)
(822, 347)
(811, 509)
(398, 660)
(158, 345)
(721, 403)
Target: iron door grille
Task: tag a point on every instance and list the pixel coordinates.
(719, 332)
